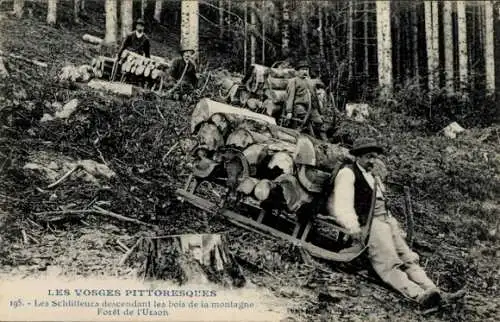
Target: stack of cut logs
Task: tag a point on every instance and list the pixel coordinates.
(262, 90)
(131, 65)
(260, 160)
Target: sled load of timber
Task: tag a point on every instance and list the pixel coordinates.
(132, 67)
(277, 178)
(263, 89)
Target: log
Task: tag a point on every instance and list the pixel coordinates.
(277, 83)
(263, 189)
(293, 194)
(283, 161)
(247, 186)
(190, 258)
(114, 87)
(271, 108)
(24, 59)
(255, 77)
(254, 104)
(282, 73)
(92, 39)
(312, 179)
(255, 153)
(221, 122)
(207, 107)
(210, 136)
(319, 154)
(240, 138)
(277, 96)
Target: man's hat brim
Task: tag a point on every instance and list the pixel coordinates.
(366, 149)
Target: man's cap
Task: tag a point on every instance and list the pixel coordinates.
(303, 64)
(365, 145)
(139, 21)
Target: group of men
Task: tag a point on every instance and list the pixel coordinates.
(350, 202)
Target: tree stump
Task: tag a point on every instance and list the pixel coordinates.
(190, 258)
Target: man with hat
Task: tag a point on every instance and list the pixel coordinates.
(183, 71)
(136, 41)
(351, 203)
(301, 97)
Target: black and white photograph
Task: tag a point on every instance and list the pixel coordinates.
(249, 160)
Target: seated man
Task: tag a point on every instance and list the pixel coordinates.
(301, 95)
(183, 71)
(136, 41)
(391, 258)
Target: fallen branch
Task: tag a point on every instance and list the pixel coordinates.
(94, 210)
(122, 245)
(409, 216)
(27, 60)
(64, 177)
(129, 252)
(99, 210)
(172, 148)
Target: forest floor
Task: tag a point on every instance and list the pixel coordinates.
(455, 185)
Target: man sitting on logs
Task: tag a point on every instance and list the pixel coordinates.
(351, 203)
(183, 71)
(302, 100)
(136, 41)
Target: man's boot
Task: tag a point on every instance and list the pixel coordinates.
(430, 298)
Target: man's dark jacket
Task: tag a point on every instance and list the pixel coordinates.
(189, 76)
(137, 45)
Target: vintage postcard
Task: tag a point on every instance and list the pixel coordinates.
(249, 160)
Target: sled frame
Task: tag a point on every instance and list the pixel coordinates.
(298, 237)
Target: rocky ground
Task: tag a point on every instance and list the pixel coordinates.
(454, 184)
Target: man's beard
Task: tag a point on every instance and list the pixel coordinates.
(139, 33)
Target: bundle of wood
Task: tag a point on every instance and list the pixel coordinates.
(74, 73)
(263, 89)
(255, 158)
(131, 66)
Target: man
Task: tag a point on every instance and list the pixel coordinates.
(183, 71)
(136, 41)
(391, 258)
(301, 95)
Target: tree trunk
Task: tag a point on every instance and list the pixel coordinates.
(190, 25)
(158, 10)
(431, 35)
(285, 30)
(462, 45)
(304, 28)
(126, 13)
(489, 47)
(264, 22)
(245, 38)
(384, 47)
(18, 8)
(52, 12)
(111, 22)
(448, 45)
(321, 37)
(366, 61)
(414, 41)
(144, 4)
(350, 41)
(253, 28)
(221, 19)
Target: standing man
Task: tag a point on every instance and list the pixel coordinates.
(183, 71)
(394, 262)
(136, 41)
(302, 97)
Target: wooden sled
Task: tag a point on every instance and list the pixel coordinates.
(336, 247)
